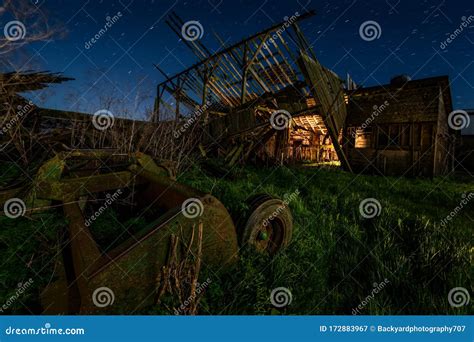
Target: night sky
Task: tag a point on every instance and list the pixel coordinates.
(120, 63)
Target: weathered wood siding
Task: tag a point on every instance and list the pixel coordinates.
(400, 130)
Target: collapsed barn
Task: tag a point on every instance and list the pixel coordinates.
(267, 99)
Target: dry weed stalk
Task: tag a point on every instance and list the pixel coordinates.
(179, 277)
(127, 136)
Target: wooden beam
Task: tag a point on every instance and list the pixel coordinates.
(243, 41)
(243, 92)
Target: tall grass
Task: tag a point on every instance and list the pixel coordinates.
(333, 261)
(337, 257)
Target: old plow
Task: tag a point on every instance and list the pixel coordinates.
(85, 182)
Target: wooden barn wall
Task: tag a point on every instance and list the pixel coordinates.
(404, 108)
(413, 157)
(415, 101)
(391, 162)
(444, 152)
(420, 108)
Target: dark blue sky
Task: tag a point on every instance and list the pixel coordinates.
(120, 63)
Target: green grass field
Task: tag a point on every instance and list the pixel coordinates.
(335, 256)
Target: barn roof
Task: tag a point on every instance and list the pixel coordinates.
(417, 100)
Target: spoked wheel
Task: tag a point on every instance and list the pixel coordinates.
(269, 226)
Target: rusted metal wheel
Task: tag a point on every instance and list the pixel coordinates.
(269, 226)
